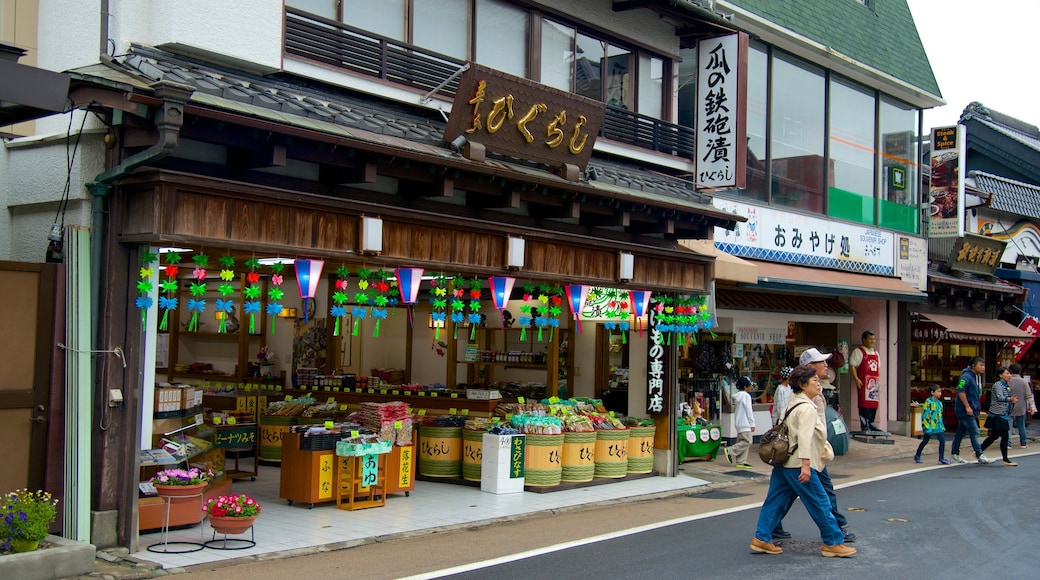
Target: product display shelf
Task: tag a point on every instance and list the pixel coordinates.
(351, 491)
(433, 403)
(306, 476)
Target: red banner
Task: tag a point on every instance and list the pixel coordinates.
(1031, 325)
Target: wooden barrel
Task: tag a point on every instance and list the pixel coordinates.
(472, 453)
(579, 450)
(611, 452)
(271, 429)
(641, 449)
(542, 464)
(440, 451)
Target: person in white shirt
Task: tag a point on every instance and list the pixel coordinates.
(744, 421)
(782, 395)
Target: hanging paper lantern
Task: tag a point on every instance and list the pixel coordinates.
(308, 274)
(577, 294)
(408, 281)
(640, 299)
(501, 288)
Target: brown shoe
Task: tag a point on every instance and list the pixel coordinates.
(839, 551)
(767, 547)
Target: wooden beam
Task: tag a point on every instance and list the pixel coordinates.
(269, 156)
(622, 219)
(509, 200)
(568, 209)
(626, 5)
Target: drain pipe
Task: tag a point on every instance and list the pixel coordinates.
(168, 120)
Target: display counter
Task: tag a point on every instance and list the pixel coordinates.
(698, 441)
(433, 403)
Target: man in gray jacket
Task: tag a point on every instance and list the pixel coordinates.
(1021, 389)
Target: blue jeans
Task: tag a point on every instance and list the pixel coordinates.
(783, 488)
(1020, 424)
(828, 488)
(966, 426)
(924, 441)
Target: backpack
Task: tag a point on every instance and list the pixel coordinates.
(774, 447)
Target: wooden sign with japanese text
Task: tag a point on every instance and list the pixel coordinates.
(522, 118)
(977, 254)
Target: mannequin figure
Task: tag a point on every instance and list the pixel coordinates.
(865, 364)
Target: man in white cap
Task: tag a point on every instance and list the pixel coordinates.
(816, 359)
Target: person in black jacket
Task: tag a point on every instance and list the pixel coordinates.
(967, 407)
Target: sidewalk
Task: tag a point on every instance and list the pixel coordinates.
(465, 507)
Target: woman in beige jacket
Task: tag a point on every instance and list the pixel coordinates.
(800, 475)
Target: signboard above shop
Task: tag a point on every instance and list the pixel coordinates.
(722, 103)
(515, 116)
(977, 254)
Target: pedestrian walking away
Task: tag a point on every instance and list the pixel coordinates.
(1026, 406)
(932, 424)
(998, 416)
(799, 477)
(967, 408)
(744, 421)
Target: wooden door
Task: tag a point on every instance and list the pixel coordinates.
(27, 315)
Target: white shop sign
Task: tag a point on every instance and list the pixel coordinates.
(759, 335)
(792, 238)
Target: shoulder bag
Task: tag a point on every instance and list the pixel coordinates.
(774, 447)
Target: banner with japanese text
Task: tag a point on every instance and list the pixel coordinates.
(721, 111)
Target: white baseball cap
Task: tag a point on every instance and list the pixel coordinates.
(813, 355)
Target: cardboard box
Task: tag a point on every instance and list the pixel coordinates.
(167, 399)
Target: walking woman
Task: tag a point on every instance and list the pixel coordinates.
(998, 417)
(800, 475)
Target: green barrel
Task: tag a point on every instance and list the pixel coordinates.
(641, 449)
(579, 450)
(271, 429)
(440, 451)
(542, 463)
(472, 453)
(611, 452)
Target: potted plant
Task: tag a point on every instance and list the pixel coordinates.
(232, 514)
(181, 482)
(26, 517)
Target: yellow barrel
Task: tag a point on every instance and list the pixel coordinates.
(641, 449)
(542, 463)
(271, 429)
(579, 450)
(611, 452)
(472, 453)
(440, 451)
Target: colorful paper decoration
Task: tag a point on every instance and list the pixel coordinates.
(577, 294)
(169, 287)
(308, 274)
(144, 285)
(251, 293)
(458, 305)
(275, 294)
(439, 301)
(474, 307)
(640, 299)
(408, 281)
(501, 288)
(548, 309)
(197, 305)
(684, 315)
(339, 297)
(380, 299)
(526, 317)
(361, 297)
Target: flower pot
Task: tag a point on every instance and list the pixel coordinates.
(20, 545)
(179, 490)
(231, 525)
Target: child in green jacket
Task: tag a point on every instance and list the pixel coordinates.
(932, 423)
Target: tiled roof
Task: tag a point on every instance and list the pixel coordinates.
(1008, 195)
(327, 108)
(882, 35)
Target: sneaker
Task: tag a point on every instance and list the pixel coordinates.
(744, 466)
(839, 551)
(725, 452)
(849, 536)
(983, 460)
(766, 547)
(1009, 463)
(781, 535)
(917, 460)
(944, 462)
(1022, 445)
(958, 459)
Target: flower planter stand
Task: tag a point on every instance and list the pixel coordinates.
(225, 526)
(168, 494)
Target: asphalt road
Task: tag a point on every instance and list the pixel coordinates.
(940, 523)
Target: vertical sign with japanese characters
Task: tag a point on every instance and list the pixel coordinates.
(517, 456)
(656, 377)
(946, 188)
(721, 104)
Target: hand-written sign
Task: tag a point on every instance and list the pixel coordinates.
(235, 436)
(977, 254)
(519, 117)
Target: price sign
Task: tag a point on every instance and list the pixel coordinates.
(235, 436)
(232, 421)
(520, 400)
(451, 411)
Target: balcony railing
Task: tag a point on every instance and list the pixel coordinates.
(342, 46)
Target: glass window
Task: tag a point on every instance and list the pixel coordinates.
(852, 159)
(686, 82)
(651, 85)
(757, 103)
(442, 26)
(386, 17)
(620, 91)
(899, 170)
(502, 37)
(326, 8)
(797, 135)
(557, 55)
(588, 70)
